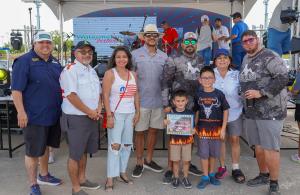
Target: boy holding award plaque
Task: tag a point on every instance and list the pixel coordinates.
(211, 120)
(180, 127)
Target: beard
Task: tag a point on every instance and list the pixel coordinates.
(252, 51)
(189, 50)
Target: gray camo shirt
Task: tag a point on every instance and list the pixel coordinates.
(265, 72)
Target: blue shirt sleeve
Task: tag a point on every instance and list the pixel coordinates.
(235, 30)
(20, 72)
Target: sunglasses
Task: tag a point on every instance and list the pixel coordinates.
(83, 52)
(187, 42)
(153, 35)
(248, 41)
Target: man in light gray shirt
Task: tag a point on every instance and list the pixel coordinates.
(279, 35)
(220, 34)
(149, 62)
(204, 44)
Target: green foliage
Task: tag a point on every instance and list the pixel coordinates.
(56, 40)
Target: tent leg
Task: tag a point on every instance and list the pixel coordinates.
(61, 27)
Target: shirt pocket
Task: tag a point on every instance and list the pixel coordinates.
(84, 88)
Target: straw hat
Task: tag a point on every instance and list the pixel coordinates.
(150, 28)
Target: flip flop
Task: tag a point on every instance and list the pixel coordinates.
(108, 188)
(127, 181)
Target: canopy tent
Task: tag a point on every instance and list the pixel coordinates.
(74, 8)
(67, 9)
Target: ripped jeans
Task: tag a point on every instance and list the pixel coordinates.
(119, 144)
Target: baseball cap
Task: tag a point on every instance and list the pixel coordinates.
(82, 44)
(42, 36)
(204, 17)
(219, 52)
(189, 35)
(236, 15)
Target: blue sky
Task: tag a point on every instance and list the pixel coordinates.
(11, 20)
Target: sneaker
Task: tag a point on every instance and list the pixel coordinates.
(261, 179)
(48, 180)
(222, 172)
(274, 189)
(137, 171)
(203, 183)
(186, 183)
(81, 192)
(89, 185)
(168, 177)
(175, 182)
(295, 158)
(153, 166)
(213, 180)
(194, 170)
(35, 190)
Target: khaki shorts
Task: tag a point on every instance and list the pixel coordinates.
(181, 152)
(153, 118)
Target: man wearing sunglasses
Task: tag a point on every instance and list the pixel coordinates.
(263, 80)
(37, 98)
(149, 62)
(81, 108)
(182, 73)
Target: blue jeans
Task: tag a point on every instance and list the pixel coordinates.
(238, 54)
(280, 42)
(206, 55)
(122, 133)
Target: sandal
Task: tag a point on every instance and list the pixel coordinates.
(108, 188)
(238, 176)
(127, 181)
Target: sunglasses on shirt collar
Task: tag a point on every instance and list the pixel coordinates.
(188, 42)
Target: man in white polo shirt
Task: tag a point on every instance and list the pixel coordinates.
(81, 109)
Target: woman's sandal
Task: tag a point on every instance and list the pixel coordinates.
(127, 181)
(238, 176)
(108, 188)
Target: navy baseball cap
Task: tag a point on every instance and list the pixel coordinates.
(82, 44)
(219, 52)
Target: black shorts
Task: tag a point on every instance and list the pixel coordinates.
(297, 113)
(37, 138)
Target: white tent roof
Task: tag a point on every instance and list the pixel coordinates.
(75, 8)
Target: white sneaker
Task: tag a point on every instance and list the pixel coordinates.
(295, 158)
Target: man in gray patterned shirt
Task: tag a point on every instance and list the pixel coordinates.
(182, 73)
(263, 79)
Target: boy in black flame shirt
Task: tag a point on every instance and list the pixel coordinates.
(211, 120)
(180, 145)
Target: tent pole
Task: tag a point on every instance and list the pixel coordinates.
(61, 27)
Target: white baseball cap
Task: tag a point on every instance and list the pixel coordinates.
(189, 35)
(42, 36)
(204, 17)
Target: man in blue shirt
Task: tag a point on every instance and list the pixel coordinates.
(37, 97)
(238, 29)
